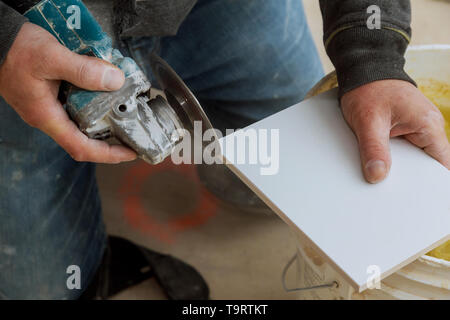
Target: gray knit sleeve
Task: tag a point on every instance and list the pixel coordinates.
(10, 23)
(361, 54)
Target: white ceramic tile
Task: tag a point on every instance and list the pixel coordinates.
(320, 190)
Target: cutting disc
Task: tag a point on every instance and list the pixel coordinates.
(181, 99)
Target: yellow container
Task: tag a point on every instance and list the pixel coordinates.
(442, 252)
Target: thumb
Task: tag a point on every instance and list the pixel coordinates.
(87, 72)
(373, 134)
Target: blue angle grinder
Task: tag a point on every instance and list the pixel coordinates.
(150, 126)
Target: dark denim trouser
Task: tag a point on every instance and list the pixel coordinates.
(243, 59)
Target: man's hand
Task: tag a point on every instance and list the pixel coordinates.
(29, 81)
(391, 108)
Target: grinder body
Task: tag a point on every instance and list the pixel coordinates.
(151, 127)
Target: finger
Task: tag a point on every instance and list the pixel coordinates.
(86, 72)
(64, 131)
(373, 132)
(434, 141)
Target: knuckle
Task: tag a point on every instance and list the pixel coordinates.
(82, 73)
(433, 120)
(373, 146)
(78, 155)
(33, 120)
(368, 120)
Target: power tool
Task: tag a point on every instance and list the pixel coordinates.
(150, 126)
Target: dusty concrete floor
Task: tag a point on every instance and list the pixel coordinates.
(241, 255)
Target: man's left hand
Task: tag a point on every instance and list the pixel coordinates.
(389, 108)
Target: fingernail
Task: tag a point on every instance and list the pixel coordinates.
(113, 79)
(375, 171)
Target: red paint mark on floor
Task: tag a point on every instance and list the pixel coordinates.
(139, 218)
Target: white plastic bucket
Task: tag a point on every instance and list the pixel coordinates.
(425, 278)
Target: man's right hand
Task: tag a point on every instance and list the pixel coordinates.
(29, 81)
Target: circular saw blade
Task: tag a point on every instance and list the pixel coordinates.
(180, 98)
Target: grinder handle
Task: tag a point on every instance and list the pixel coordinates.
(58, 17)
